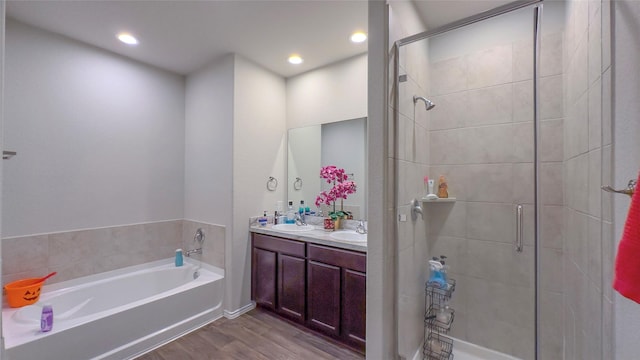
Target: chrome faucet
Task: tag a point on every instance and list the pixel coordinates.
(199, 239)
(361, 229)
(194, 251)
(300, 219)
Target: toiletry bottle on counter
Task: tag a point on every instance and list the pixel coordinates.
(301, 210)
(291, 214)
(46, 320)
(263, 219)
(179, 259)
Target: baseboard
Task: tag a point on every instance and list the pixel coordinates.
(245, 309)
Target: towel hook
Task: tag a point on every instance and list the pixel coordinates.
(631, 188)
(272, 183)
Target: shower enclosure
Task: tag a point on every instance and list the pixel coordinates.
(479, 104)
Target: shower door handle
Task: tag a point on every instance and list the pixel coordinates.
(519, 228)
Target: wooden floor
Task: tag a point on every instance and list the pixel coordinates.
(254, 335)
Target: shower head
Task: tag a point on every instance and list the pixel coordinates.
(428, 104)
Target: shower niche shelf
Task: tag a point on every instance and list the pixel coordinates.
(438, 200)
(438, 318)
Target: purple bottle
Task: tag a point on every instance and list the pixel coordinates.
(46, 321)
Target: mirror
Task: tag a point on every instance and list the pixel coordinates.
(342, 144)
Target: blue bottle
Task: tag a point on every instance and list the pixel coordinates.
(301, 211)
(179, 259)
(436, 276)
(46, 320)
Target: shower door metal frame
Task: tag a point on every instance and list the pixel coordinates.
(536, 6)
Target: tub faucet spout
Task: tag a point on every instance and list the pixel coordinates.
(194, 251)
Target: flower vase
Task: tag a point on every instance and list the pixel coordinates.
(329, 225)
(337, 223)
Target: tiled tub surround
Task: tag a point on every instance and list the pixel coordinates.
(80, 253)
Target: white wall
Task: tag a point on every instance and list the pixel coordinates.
(209, 143)
(100, 138)
(332, 93)
(626, 161)
(259, 145)
(381, 311)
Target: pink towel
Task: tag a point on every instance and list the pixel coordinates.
(627, 274)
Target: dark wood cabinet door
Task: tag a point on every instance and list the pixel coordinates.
(323, 305)
(291, 287)
(354, 307)
(264, 278)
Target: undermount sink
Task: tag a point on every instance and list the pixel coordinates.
(292, 227)
(349, 235)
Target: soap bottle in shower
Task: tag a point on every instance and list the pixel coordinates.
(445, 269)
(436, 277)
(442, 187)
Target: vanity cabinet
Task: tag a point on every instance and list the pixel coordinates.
(278, 276)
(336, 281)
(321, 287)
(264, 278)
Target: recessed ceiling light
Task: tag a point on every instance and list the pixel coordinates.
(127, 39)
(358, 37)
(295, 59)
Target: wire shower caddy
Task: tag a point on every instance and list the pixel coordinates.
(438, 317)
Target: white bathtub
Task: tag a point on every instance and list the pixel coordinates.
(115, 315)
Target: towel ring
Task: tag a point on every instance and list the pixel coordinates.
(272, 183)
(297, 185)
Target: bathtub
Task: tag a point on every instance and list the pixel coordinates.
(116, 315)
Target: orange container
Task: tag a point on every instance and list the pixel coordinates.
(23, 292)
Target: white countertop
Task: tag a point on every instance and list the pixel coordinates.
(316, 236)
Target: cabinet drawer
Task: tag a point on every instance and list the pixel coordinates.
(283, 246)
(338, 257)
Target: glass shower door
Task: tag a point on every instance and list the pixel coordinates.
(464, 116)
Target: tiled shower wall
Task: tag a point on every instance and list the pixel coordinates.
(409, 166)
(588, 262)
(481, 139)
(85, 252)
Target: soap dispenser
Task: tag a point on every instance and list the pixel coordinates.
(263, 220)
